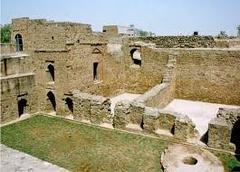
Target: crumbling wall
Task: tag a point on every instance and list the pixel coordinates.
(179, 41)
(95, 109)
(128, 113)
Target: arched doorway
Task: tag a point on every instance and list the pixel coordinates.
(51, 71)
(19, 42)
(22, 104)
(136, 57)
(235, 137)
(69, 103)
(51, 98)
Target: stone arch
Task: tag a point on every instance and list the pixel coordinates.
(19, 42)
(22, 104)
(51, 98)
(235, 136)
(136, 56)
(51, 71)
(69, 103)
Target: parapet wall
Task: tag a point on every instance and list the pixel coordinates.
(179, 41)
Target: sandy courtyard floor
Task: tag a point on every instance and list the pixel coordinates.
(200, 112)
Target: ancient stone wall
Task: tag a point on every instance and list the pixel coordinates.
(208, 75)
(179, 41)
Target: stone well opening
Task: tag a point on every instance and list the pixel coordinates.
(189, 160)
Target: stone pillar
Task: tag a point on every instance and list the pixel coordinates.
(121, 114)
(219, 134)
(150, 119)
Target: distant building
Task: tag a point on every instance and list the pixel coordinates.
(114, 30)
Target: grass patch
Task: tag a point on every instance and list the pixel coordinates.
(78, 147)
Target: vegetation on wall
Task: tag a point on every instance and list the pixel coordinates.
(5, 33)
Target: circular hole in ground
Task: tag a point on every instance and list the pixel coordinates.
(190, 160)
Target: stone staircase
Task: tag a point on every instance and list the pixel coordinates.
(170, 68)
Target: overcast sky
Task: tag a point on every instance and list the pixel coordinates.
(163, 17)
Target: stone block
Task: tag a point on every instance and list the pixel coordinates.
(219, 134)
(184, 128)
(100, 109)
(150, 119)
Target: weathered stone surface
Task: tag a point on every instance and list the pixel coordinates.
(121, 114)
(230, 115)
(179, 41)
(91, 107)
(184, 128)
(150, 119)
(126, 112)
(100, 109)
(219, 134)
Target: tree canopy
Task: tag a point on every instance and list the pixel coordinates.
(5, 33)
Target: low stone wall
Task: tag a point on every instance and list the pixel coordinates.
(158, 96)
(153, 119)
(179, 41)
(95, 109)
(128, 113)
(6, 48)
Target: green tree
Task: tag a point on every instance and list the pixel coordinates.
(238, 30)
(5, 33)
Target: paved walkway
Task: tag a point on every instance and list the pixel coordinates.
(15, 161)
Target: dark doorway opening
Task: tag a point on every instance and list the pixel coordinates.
(22, 104)
(69, 104)
(136, 57)
(19, 42)
(235, 137)
(137, 62)
(51, 97)
(95, 71)
(51, 71)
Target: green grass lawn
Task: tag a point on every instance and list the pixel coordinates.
(78, 147)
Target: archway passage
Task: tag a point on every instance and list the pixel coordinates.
(51, 98)
(19, 42)
(22, 104)
(136, 57)
(69, 104)
(51, 71)
(235, 137)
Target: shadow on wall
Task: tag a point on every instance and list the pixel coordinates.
(235, 137)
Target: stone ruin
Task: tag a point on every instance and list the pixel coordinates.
(67, 69)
